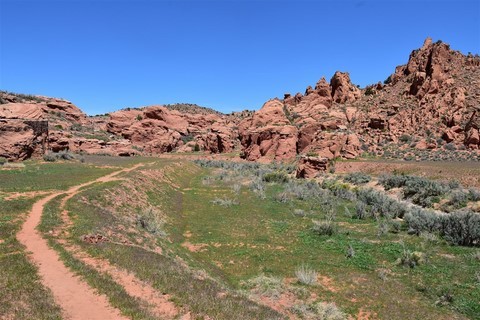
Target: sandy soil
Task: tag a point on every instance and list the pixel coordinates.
(77, 299)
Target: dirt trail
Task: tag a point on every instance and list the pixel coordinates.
(76, 298)
(159, 303)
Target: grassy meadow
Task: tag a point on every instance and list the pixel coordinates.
(229, 241)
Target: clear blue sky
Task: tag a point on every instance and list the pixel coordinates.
(228, 55)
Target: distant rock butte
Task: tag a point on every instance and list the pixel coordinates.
(433, 98)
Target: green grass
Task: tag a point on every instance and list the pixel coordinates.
(22, 295)
(103, 160)
(265, 237)
(49, 176)
(241, 242)
(164, 271)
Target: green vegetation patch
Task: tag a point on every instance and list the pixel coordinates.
(38, 176)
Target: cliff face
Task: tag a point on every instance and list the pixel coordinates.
(428, 104)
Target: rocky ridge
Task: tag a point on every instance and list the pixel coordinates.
(430, 103)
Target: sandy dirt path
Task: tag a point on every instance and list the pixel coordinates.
(158, 303)
(76, 298)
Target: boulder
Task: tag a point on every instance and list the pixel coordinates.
(310, 167)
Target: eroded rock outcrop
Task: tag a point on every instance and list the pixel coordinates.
(342, 88)
(22, 139)
(310, 167)
(429, 103)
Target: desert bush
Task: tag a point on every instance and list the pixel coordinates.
(458, 228)
(350, 252)
(405, 138)
(3, 161)
(258, 187)
(269, 286)
(299, 213)
(383, 273)
(338, 189)
(423, 192)
(450, 147)
(395, 226)
(304, 190)
(409, 258)
(458, 199)
(361, 210)
(326, 227)
(357, 178)
(65, 155)
(453, 184)
(277, 176)
(61, 155)
(152, 220)
(429, 237)
(370, 196)
(318, 311)
(462, 228)
(283, 197)
(206, 181)
(237, 188)
(306, 275)
(185, 139)
(383, 228)
(344, 193)
(392, 181)
(381, 204)
(243, 167)
(224, 202)
(419, 220)
(473, 194)
(347, 212)
(49, 157)
(476, 255)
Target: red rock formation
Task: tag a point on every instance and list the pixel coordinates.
(342, 88)
(269, 134)
(310, 167)
(434, 96)
(20, 140)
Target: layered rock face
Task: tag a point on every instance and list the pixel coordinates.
(22, 139)
(24, 123)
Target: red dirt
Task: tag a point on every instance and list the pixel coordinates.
(159, 303)
(76, 298)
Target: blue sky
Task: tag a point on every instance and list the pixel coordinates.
(228, 55)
